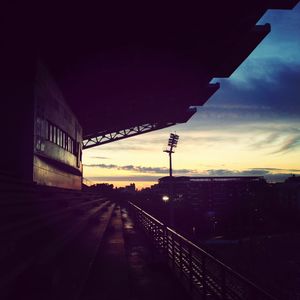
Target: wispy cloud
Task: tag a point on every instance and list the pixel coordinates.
(267, 172)
(289, 144)
(140, 169)
(237, 107)
(270, 139)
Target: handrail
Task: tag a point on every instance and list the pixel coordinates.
(148, 215)
(200, 271)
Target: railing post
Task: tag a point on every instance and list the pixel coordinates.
(154, 235)
(191, 268)
(156, 238)
(214, 284)
(165, 242)
(160, 233)
(173, 251)
(223, 283)
(180, 257)
(204, 275)
(168, 242)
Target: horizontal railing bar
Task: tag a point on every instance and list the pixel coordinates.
(151, 217)
(231, 271)
(188, 258)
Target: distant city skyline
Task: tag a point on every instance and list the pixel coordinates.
(249, 127)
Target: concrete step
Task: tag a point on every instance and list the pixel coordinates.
(50, 266)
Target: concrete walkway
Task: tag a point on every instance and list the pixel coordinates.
(126, 267)
(149, 278)
(108, 279)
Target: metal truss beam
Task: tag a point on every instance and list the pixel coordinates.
(108, 137)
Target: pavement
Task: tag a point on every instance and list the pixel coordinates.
(126, 267)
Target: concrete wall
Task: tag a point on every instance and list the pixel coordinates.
(53, 163)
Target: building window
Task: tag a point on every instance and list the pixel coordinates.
(59, 137)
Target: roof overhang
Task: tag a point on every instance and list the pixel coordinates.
(121, 64)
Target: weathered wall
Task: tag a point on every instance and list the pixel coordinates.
(55, 162)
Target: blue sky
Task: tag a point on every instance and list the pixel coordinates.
(249, 127)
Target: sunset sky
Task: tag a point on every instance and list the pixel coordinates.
(251, 126)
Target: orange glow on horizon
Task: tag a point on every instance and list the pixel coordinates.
(139, 184)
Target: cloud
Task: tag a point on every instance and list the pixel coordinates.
(227, 172)
(132, 178)
(288, 171)
(276, 177)
(289, 144)
(238, 107)
(269, 173)
(283, 41)
(140, 169)
(266, 141)
(269, 96)
(213, 140)
(100, 157)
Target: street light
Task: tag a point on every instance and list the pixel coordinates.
(165, 198)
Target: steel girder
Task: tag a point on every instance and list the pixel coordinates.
(108, 137)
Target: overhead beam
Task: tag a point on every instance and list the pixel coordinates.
(108, 137)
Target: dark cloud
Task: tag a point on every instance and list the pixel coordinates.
(103, 166)
(227, 172)
(272, 174)
(134, 178)
(140, 169)
(278, 169)
(275, 95)
(128, 145)
(276, 177)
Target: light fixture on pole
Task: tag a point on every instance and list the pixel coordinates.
(172, 143)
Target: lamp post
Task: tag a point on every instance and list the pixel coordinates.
(172, 144)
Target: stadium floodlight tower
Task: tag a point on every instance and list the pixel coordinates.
(172, 143)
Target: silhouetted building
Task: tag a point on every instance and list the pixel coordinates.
(102, 188)
(286, 196)
(215, 194)
(235, 202)
(43, 136)
(57, 151)
(130, 188)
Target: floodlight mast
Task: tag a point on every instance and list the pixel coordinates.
(172, 143)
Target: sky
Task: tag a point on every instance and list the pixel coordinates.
(251, 126)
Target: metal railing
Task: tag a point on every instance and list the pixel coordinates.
(204, 275)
